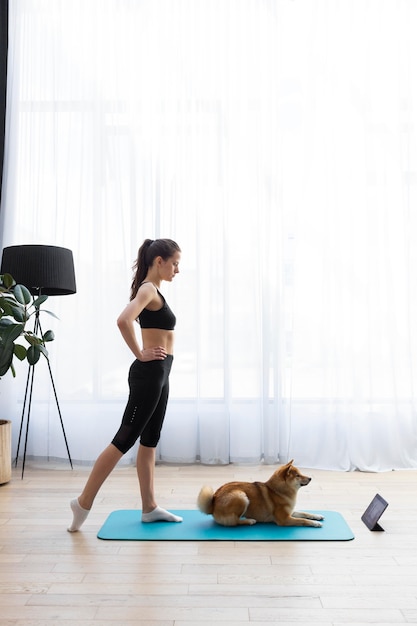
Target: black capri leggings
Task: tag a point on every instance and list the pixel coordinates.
(145, 410)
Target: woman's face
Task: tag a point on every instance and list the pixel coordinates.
(169, 268)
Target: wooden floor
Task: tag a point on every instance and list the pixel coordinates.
(49, 576)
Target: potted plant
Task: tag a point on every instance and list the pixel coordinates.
(17, 307)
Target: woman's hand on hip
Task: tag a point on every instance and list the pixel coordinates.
(158, 353)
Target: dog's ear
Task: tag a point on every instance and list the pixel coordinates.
(286, 468)
(289, 470)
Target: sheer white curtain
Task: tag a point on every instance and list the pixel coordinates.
(275, 141)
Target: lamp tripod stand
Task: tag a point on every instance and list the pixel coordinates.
(27, 403)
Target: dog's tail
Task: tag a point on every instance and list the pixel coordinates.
(205, 500)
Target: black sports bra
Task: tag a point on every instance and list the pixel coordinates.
(163, 318)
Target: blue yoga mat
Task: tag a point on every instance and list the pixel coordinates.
(126, 525)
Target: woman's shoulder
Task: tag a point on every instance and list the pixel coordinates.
(148, 287)
(148, 292)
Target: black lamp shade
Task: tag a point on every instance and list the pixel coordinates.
(47, 270)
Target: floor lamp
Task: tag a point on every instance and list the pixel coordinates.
(44, 270)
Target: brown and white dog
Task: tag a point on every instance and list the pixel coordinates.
(247, 503)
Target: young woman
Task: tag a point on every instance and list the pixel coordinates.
(148, 380)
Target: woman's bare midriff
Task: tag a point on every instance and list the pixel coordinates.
(152, 337)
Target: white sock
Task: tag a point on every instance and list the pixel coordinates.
(160, 515)
(79, 516)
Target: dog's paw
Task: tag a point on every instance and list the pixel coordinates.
(317, 524)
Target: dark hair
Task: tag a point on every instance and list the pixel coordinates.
(148, 251)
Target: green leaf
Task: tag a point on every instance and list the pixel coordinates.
(22, 294)
(18, 312)
(32, 339)
(33, 354)
(49, 336)
(6, 357)
(38, 301)
(50, 313)
(43, 350)
(11, 308)
(7, 280)
(5, 305)
(20, 352)
(11, 332)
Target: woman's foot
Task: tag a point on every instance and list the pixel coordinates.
(160, 515)
(79, 516)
